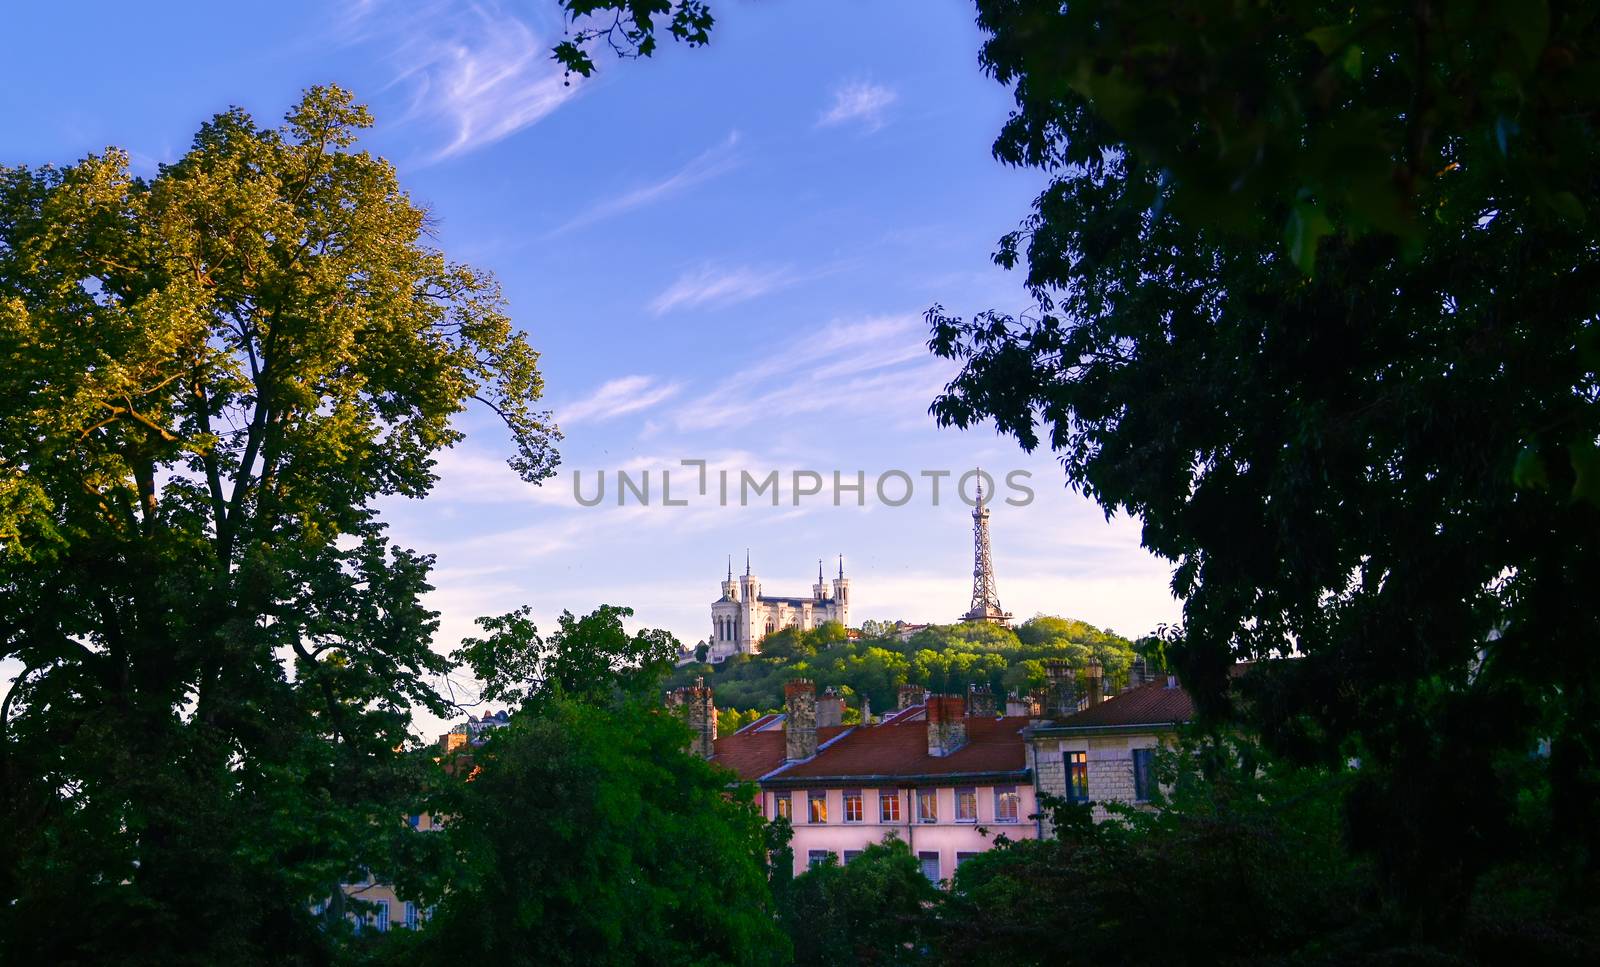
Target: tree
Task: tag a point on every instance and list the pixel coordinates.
(588, 659)
(1243, 861)
(871, 910)
(209, 378)
(1316, 303)
(588, 834)
(584, 832)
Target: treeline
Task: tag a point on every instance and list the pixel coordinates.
(632, 849)
(942, 658)
(1242, 859)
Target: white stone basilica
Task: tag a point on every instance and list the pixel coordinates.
(743, 615)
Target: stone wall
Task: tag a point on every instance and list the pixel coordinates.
(1110, 767)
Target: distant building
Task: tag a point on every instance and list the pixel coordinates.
(1102, 750)
(472, 731)
(942, 773)
(743, 615)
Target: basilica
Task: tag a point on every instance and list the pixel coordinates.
(743, 615)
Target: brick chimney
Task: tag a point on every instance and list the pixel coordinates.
(980, 702)
(1138, 672)
(911, 695)
(1061, 699)
(947, 724)
(800, 724)
(702, 719)
(830, 708)
(1094, 679)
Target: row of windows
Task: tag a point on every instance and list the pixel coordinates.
(928, 860)
(1007, 805)
(377, 918)
(1077, 770)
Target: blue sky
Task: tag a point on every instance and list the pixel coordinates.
(723, 254)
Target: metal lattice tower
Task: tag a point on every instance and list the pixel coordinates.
(985, 595)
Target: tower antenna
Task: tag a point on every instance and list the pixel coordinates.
(985, 594)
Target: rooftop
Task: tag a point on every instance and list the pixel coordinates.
(1153, 703)
(896, 748)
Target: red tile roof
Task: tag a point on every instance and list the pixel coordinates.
(898, 750)
(752, 754)
(1150, 704)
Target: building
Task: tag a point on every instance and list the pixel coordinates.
(743, 615)
(943, 773)
(1100, 751)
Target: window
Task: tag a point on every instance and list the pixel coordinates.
(818, 857)
(966, 805)
(928, 805)
(962, 858)
(414, 820)
(851, 854)
(1007, 804)
(782, 808)
(819, 807)
(1142, 760)
(1077, 776)
(852, 806)
(930, 866)
(382, 922)
(889, 806)
(411, 915)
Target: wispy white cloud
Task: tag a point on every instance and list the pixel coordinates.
(858, 102)
(714, 161)
(617, 397)
(878, 364)
(475, 74)
(719, 286)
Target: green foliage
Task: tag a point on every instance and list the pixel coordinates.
(1319, 118)
(207, 380)
(588, 835)
(1383, 464)
(585, 654)
(945, 658)
(627, 28)
(1243, 861)
(872, 910)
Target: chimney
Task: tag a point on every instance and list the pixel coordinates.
(1022, 706)
(800, 724)
(1061, 699)
(947, 724)
(830, 708)
(702, 719)
(1138, 672)
(866, 709)
(980, 702)
(912, 695)
(1095, 680)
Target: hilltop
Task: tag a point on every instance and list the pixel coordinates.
(944, 658)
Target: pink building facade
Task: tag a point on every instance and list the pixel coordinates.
(944, 774)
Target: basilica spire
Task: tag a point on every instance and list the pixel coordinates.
(747, 562)
(841, 567)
